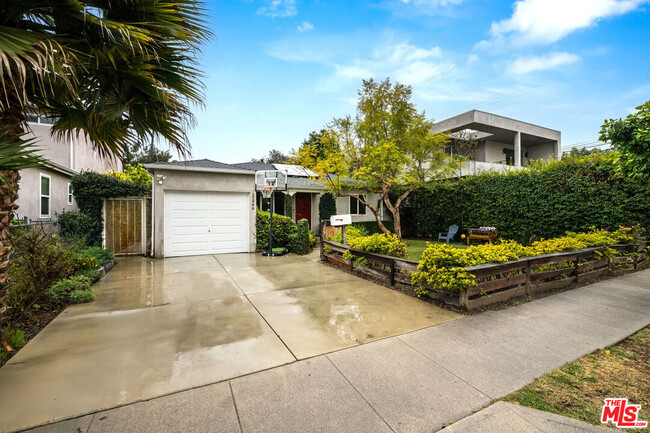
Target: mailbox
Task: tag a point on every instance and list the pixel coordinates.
(340, 220)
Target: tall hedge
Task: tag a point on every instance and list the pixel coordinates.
(283, 228)
(90, 189)
(544, 200)
(326, 206)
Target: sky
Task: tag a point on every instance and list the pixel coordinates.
(278, 69)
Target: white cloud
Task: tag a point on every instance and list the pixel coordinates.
(472, 58)
(524, 65)
(541, 22)
(305, 27)
(279, 9)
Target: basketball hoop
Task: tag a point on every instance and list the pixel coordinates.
(267, 181)
(266, 190)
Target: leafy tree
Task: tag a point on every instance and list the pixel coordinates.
(274, 157)
(578, 152)
(112, 71)
(142, 153)
(313, 149)
(631, 137)
(466, 142)
(388, 148)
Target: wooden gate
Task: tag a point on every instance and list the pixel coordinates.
(127, 225)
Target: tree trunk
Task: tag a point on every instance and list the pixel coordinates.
(8, 196)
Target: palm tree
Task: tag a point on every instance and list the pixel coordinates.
(115, 71)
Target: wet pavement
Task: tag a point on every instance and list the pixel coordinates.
(162, 326)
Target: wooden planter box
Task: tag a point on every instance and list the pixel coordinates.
(497, 282)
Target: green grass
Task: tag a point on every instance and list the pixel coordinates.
(415, 247)
(578, 389)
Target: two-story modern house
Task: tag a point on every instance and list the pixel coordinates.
(46, 191)
(502, 143)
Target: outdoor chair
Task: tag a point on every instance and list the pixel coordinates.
(449, 235)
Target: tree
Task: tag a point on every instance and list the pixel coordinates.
(577, 152)
(142, 154)
(313, 149)
(466, 142)
(388, 148)
(115, 72)
(274, 157)
(631, 138)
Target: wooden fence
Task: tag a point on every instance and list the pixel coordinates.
(127, 225)
(497, 282)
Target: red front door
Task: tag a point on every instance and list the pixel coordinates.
(302, 202)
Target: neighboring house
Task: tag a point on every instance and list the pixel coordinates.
(44, 192)
(208, 207)
(502, 143)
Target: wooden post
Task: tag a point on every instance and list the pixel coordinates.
(343, 234)
(392, 273)
(322, 240)
(528, 288)
(462, 298)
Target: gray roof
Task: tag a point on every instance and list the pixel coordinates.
(200, 163)
(254, 166)
(303, 182)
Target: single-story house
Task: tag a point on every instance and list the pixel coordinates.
(208, 207)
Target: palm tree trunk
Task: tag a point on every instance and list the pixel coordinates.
(8, 197)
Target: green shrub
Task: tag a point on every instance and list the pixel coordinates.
(283, 228)
(81, 296)
(313, 240)
(326, 206)
(371, 227)
(79, 225)
(388, 245)
(38, 261)
(101, 255)
(90, 189)
(62, 291)
(299, 241)
(543, 200)
(15, 338)
(83, 262)
(92, 274)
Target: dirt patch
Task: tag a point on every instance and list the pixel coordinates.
(578, 389)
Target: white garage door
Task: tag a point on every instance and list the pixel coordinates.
(205, 223)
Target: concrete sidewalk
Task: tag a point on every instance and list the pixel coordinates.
(504, 417)
(420, 381)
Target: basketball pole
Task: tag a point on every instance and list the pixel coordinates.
(271, 223)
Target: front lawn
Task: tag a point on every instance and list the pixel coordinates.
(416, 247)
(578, 389)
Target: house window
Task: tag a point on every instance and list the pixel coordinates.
(70, 196)
(46, 190)
(356, 207)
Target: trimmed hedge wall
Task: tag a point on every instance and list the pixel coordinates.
(544, 200)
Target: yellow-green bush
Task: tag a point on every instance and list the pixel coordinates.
(441, 264)
(388, 245)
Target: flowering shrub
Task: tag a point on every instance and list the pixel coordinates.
(388, 245)
(84, 262)
(441, 264)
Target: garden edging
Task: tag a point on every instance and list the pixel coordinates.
(501, 281)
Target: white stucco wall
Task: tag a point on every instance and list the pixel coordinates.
(190, 180)
(343, 208)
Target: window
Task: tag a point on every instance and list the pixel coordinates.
(70, 196)
(356, 207)
(46, 190)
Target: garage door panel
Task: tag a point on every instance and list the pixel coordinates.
(206, 223)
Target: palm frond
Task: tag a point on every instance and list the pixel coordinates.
(17, 153)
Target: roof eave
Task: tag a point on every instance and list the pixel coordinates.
(198, 169)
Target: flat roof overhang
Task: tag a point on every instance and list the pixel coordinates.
(498, 128)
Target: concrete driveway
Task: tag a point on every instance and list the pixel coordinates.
(162, 326)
